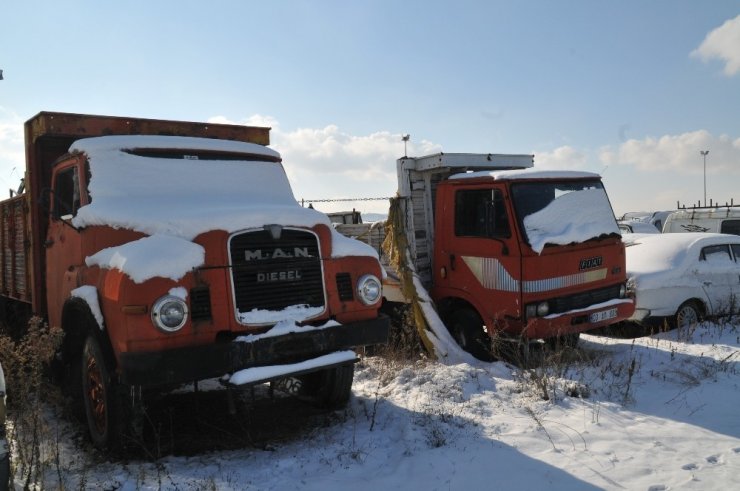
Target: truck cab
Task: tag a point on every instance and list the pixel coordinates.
(506, 250)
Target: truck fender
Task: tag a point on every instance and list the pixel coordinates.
(78, 321)
(89, 294)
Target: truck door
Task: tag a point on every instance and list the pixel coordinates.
(480, 254)
(63, 245)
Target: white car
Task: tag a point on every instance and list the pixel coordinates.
(683, 277)
(636, 227)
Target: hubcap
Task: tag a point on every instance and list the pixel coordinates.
(687, 317)
(96, 394)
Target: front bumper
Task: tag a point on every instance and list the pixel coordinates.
(189, 364)
(580, 320)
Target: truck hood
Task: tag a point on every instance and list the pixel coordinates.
(185, 197)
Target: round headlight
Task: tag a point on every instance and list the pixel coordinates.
(622, 290)
(543, 309)
(169, 313)
(369, 289)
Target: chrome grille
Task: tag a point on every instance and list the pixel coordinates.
(272, 274)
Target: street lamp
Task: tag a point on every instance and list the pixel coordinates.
(704, 154)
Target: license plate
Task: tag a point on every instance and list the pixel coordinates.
(602, 316)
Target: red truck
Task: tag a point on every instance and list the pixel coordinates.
(505, 249)
(171, 252)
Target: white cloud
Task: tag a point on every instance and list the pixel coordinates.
(678, 153)
(722, 43)
(326, 163)
(12, 151)
(565, 157)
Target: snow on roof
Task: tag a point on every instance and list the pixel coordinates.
(184, 198)
(650, 253)
(501, 175)
(655, 260)
(116, 143)
(573, 217)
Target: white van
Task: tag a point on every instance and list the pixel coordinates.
(721, 219)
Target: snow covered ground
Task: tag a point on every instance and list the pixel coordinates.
(653, 413)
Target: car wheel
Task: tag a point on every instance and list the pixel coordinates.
(466, 327)
(688, 315)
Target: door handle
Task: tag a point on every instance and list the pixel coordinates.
(48, 243)
(452, 262)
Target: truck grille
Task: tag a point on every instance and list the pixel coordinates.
(583, 300)
(272, 274)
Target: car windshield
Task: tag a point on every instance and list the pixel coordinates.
(563, 212)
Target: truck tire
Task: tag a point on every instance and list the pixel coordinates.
(466, 327)
(109, 417)
(329, 388)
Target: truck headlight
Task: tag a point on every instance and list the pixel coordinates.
(537, 309)
(369, 289)
(169, 313)
(543, 308)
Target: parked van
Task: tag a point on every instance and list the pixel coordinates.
(720, 219)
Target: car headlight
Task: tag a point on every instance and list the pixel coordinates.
(369, 289)
(169, 313)
(631, 287)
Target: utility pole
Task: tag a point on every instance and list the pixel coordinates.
(704, 155)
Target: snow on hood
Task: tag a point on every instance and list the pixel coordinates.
(343, 246)
(555, 223)
(184, 198)
(154, 256)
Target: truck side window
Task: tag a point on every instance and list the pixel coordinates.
(66, 193)
(481, 213)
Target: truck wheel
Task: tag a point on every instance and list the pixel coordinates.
(98, 394)
(466, 327)
(331, 387)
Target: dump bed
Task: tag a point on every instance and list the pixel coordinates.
(48, 136)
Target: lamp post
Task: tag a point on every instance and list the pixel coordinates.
(704, 155)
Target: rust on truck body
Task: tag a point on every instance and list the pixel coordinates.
(116, 327)
(50, 134)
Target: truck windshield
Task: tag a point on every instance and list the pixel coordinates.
(563, 212)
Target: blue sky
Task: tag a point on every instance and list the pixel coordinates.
(631, 89)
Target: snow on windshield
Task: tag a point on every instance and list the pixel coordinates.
(175, 200)
(573, 217)
(184, 198)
